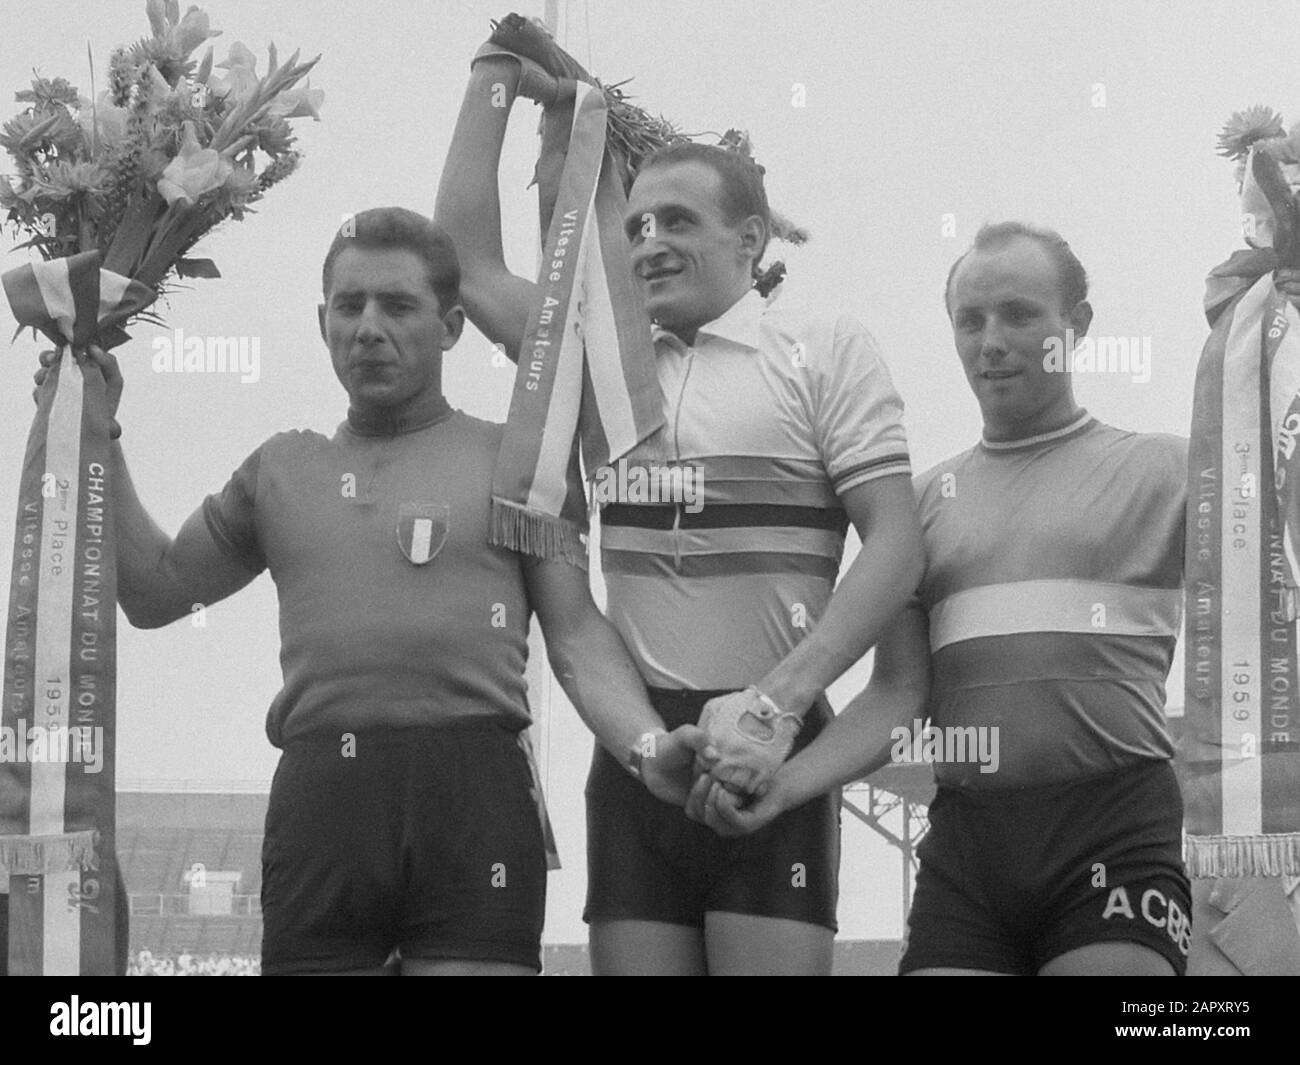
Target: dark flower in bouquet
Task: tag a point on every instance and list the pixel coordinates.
(632, 134)
(1268, 178)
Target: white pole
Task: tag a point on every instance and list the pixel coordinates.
(538, 673)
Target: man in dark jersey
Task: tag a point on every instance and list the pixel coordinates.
(1046, 623)
(404, 819)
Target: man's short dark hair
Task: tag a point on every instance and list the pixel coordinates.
(742, 182)
(396, 227)
(1071, 277)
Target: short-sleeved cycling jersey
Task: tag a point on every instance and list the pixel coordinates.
(779, 413)
(1053, 585)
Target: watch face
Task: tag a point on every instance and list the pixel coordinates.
(641, 750)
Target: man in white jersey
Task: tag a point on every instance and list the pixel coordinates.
(795, 427)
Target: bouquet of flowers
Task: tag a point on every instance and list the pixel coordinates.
(169, 150)
(1268, 179)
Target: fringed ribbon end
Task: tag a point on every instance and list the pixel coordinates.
(531, 532)
(1239, 856)
(39, 855)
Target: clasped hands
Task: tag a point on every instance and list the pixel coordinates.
(749, 737)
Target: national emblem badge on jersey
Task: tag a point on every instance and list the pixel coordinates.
(422, 530)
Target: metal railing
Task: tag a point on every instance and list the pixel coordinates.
(228, 787)
(195, 905)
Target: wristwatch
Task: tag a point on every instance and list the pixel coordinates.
(643, 748)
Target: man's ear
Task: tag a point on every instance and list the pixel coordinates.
(753, 235)
(1081, 318)
(453, 324)
(320, 317)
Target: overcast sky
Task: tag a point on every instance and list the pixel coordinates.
(890, 130)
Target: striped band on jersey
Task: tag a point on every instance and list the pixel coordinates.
(1075, 606)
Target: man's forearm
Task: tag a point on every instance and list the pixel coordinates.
(596, 672)
(468, 206)
(146, 589)
(856, 743)
(876, 587)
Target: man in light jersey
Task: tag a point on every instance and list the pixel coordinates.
(1044, 628)
(795, 428)
(404, 815)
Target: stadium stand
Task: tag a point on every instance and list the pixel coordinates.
(192, 860)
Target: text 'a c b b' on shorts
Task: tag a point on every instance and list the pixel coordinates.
(1011, 879)
(426, 841)
(646, 861)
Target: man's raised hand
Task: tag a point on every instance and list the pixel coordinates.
(94, 356)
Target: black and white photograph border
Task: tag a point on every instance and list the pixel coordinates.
(891, 132)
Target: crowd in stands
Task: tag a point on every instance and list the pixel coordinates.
(146, 963)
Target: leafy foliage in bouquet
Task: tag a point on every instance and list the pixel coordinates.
(171, 149)
(632, 133)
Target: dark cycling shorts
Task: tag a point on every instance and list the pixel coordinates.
(647, 862)
(425, 841)
(1011, 879)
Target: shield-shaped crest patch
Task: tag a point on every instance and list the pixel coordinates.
(422, 530)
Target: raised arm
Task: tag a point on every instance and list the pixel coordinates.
(469, 206)
(159, 579)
